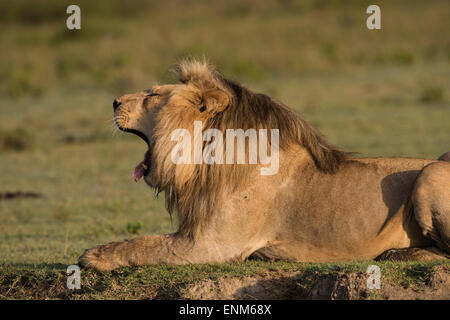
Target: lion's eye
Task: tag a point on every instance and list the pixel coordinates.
(150, 93)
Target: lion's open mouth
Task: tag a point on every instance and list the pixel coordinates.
(143, 168)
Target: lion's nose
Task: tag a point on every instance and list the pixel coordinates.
(116, 104)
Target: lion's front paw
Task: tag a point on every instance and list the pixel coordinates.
(101, 258)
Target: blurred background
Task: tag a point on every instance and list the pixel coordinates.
(65, 172)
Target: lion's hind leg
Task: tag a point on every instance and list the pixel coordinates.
(413, 254)
(431, 199)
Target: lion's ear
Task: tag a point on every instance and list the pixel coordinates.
(214, 101)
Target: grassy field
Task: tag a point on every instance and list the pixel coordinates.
(48, 281)
(384, 92)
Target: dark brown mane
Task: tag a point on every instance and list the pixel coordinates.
(259, 111)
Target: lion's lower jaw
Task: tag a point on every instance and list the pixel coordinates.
(149, 181)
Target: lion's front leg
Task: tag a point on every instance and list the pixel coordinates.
(144, 250)
(167, 249)
(104, 257)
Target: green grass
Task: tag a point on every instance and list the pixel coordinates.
(376, 92)
(169, 282)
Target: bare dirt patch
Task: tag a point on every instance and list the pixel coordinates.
(318, 286)
(11, 195)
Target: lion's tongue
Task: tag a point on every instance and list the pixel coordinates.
(140, 169)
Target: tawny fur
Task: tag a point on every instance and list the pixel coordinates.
(322, 205)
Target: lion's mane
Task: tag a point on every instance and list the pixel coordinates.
(192, 191)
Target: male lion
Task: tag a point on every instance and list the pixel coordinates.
(322, 205)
